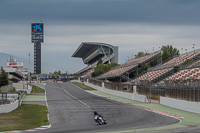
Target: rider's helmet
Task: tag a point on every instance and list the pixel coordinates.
(95, 113)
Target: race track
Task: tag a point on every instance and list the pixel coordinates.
(71, 110)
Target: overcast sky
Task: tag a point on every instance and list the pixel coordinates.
(132, 25)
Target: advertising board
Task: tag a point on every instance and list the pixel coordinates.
(37, 29)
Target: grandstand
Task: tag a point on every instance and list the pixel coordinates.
(195, 64)
(91, 52)
(129, 69)
(153, 76)
(176, 78)
(187, 74)
(160, 73)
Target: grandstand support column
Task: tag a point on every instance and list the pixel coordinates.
(103, 51)
(150, 95)
(127, 76)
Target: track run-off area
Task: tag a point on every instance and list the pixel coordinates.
(71, 110)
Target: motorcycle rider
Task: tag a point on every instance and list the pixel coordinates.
(96, 117)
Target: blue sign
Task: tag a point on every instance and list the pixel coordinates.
(44, 77)
(37, 29)
(62, 77)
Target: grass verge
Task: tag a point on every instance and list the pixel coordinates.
(36, 90)
(25, 117)
(83, 86)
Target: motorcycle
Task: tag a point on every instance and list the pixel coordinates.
(101, 120)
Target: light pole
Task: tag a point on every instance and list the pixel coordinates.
(182, 50)
(193, 48)
(161, 55)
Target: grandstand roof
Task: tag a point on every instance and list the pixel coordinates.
(85, 46)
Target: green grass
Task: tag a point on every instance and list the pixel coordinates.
(36, 90)
(33, 98)
(83, 86)
(23, 118)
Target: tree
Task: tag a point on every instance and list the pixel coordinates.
(102, 68)
(169, 52)
(57, 73)
(100, 61)
(3, 77)
(140, 54)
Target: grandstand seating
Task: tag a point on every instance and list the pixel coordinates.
(195, 64)
(162, 71)
(142, 59)
(118, 71)
(187, 74)
(177, 61)
(150, 76)
(128, 66)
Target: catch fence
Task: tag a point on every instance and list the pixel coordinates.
(183, 90)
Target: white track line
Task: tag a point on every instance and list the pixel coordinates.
(76, 98)
(72, 96)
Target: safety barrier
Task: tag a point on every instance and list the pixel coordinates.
(132, 96)
(6, 108)
(181, 104)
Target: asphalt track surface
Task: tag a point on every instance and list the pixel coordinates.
(71, 110)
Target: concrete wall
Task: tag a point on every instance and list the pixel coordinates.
(181, 104)
(28, 91)
(6, 108)
(22, 87)
(132, 96)
(18, 86)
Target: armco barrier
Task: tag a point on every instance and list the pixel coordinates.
(132, 96)
(6, 108)
(181, 104)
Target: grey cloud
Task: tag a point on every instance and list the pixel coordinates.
(115, 11)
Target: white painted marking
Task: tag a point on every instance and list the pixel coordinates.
(76, 98)
(72, 96)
